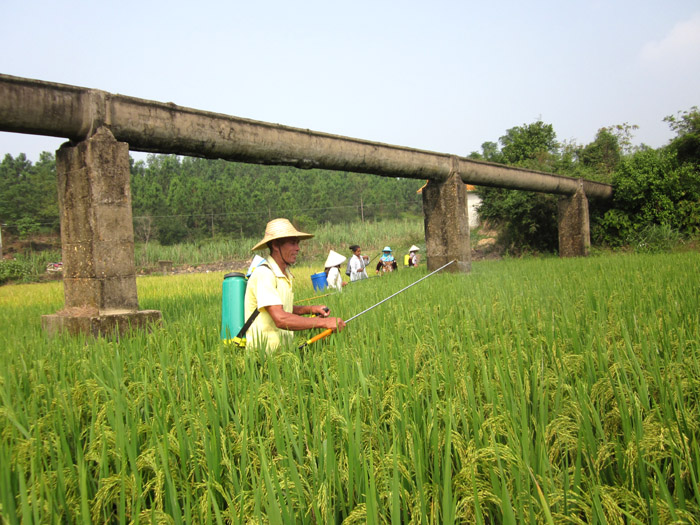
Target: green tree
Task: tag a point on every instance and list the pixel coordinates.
(656, 190)
(527, 219)
(530, 145)
(28, 193)
(625, 135)
(489, 152)
(602, 156)
(652, 189)
(686, 145)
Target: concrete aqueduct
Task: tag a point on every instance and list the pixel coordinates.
(95, 197)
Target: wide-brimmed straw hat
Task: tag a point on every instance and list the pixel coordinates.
(280, 229)
(413, 248)
(334, 259)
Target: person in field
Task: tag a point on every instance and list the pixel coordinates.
(333, 277)
(386, 263)
(413, 256)
(357, 264)
(270, 290)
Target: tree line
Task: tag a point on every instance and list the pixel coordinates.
(656, 192)
(178, 199)
(183, 198)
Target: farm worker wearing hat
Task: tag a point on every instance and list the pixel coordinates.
(386, 263)
(333, 277)
(269, 290)
(413, 256)
(356, 265)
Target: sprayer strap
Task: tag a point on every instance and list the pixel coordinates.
(244, 328)
(254, 315)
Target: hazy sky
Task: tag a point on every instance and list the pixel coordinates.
(437, 75)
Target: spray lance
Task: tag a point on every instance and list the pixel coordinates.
(328, 332)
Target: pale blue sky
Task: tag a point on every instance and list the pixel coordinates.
(437, 75)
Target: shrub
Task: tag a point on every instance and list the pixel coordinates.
(15, 270)
(27, 226)
(528, 219)
(652, 191)
(654, 239)
(171, 231)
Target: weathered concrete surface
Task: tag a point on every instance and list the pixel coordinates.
(574, 225)
(97, 237)
(84, 321)
(44, 108)
(447, 224)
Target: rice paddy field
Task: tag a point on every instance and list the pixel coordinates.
(528, 391)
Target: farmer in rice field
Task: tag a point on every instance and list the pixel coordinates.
(333, 277)
(357, 263)
(270, 291)
(412, 257)
(386, 263)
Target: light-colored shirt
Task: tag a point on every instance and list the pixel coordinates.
(334, 279)
(357, 268)
(268, 286)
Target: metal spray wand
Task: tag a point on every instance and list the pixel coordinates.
(329, 331)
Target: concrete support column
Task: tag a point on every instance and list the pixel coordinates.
(97, 239)
(447, 224)
(574, 226)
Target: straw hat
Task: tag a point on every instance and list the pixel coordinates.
(334, 259)
(280, 229)
(413, 248)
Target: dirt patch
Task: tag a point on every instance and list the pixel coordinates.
(228, 266)
(12, 245)
(487, 252)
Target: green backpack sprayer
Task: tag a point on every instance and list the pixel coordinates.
(233, 305)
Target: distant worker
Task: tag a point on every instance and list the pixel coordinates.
(412, 257)
(386, 263)
(357, 264)
(270, 291)
(333, 277)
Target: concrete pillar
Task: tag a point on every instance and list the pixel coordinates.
(97, 238)
(447, 224)
(574, 227)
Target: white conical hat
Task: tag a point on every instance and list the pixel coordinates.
(334, 259)
(413, 248)
(280, 229)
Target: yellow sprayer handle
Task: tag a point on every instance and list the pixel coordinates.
(317, 337)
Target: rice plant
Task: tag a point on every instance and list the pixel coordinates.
(528, 391)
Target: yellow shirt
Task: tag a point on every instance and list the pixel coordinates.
(268, 286)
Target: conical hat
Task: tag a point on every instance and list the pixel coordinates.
(280, 229)
(413, 248)
(334, 259)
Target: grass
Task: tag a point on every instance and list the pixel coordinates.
(540, 391)
(372, 236)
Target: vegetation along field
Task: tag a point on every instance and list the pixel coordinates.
(528, 391)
